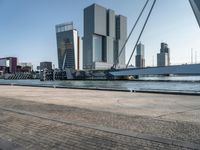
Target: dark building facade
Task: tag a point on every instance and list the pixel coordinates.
(196, 8)
(68, 46)
(104, 35)
(139, 58)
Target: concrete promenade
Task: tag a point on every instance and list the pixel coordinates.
(51, 118)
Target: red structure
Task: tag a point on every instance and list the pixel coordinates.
(8, 64)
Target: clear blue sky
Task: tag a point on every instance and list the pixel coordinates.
(27, 27)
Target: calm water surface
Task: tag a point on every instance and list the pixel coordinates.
(182, 84)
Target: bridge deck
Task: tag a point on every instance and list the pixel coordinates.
(188, 69)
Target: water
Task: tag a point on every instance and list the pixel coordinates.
(189, 84)
(174, 78)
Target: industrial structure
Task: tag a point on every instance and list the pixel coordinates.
(68, 47)
(139, 58)
(104, 35)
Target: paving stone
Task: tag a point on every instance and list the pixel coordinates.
(43, 134)
(89, 129)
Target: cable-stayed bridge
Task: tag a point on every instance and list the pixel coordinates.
(187, 69)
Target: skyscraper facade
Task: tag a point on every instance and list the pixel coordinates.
(104, 36)
(196, 8)
(68, 46)
(163, 58)
(139, 58)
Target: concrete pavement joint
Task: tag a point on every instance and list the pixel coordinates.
(111, 130)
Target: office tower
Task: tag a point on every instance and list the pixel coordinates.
(139, 58)
(8, 64)
(68, 46)
(196, 8)
(104, 35)
(163, 58)
(46, 65)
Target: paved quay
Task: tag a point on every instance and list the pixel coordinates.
(51, 118)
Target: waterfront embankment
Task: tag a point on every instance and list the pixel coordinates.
(47, 118)
(179, 86)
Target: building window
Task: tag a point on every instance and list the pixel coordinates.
(97, 48)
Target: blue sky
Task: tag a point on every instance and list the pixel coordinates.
(27, 27)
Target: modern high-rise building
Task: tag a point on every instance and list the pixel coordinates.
(104, 35)
(196, 8)
(163, 58)
(139, 58)
(68, 47)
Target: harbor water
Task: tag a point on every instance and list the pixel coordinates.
(189, 84)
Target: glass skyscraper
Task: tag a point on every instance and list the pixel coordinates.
(68, 46)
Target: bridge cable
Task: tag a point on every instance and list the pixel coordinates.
(141, 32)
(115, 63)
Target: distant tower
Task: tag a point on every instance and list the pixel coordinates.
(163, 58)
(191, 56)
(68, 44)
(139, 58)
